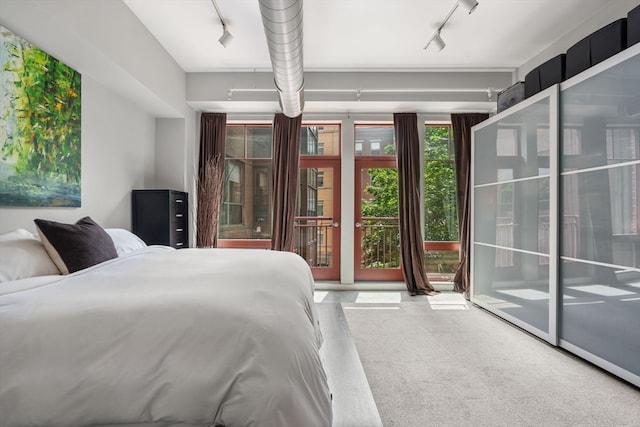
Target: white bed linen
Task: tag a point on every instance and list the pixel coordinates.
(202, 337)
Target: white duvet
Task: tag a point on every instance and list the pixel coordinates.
(201, 337)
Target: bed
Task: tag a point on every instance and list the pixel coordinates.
(160, 337)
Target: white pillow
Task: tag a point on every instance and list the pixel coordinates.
(125, 241)
(22, 256)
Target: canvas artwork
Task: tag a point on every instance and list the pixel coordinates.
(39, 126)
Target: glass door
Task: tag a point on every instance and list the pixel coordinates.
(377, 233)
(317, 225)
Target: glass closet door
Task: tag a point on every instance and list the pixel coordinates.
(513, 257)
(600, 268)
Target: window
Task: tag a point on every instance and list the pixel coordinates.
(246, 205)
(246, 213)
(441, 219)
(320, 140)
(440, 214)
(374, 140)
(309, 140)
(231, 210)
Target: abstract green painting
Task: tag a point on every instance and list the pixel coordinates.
(39, 126)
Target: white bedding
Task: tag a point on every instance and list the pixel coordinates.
(202, 337)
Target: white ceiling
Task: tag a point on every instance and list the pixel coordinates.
(366, 34)
(485, 51)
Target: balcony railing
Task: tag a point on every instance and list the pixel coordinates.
(314, 240)
(380, 242)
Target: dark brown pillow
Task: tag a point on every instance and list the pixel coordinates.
(73, 247)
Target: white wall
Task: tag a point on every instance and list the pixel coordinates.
(117, 155)
(170, 155)
(105, 40)
(132, 93)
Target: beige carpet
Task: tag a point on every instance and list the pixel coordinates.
(436, 361)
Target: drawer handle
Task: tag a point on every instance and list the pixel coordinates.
(179, 244)
(178, 200)
(178, 229)
(178, 215)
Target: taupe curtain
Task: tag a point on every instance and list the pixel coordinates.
(213, 132)
(286, 153)
(409, 172)
(462, 124)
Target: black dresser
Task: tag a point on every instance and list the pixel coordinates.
(160, 217)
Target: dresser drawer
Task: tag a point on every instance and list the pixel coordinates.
(160, 217)
(179, 237)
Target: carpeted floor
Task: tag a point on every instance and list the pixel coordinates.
(438, 361)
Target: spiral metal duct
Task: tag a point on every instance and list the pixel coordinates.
(282, 20)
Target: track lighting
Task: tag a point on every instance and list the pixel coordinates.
(436, 38)
(438, 42)
(226, 36)
(470, 5)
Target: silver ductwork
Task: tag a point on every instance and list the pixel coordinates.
(282, 20)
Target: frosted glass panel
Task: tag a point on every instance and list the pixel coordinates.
(600, 248)
(511, 216)
(514, 283)
(514, 215)
(600, 215)
(515, 147)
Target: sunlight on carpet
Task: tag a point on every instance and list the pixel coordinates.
(378, 298)
(447, 301)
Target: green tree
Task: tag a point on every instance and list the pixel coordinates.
(441, 221)
(380, 243)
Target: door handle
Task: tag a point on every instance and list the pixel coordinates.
(336, 224)
(358, 225)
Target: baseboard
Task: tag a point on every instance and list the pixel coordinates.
(376, 286)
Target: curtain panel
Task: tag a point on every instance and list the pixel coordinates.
(213, 132)
(409, 209)
(462, 124)
(286, 154)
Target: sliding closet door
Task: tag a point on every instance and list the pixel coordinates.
(600, 199)
(514, 201)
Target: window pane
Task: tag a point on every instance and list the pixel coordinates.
(246, 211)
(438, 144)
(259, 142)
(314, 235)
(440, 216)
(234, 145)
(441, 265)
(233, 181)
(320, 140)
(309, 140)
(375, 140)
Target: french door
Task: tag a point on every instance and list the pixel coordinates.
(376, 231)
(317, 224)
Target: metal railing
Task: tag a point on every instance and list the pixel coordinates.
(380, 242)
(314, 240)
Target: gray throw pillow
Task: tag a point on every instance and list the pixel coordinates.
(73, 247)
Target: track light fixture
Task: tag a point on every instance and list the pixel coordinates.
(436, 38)
(438, 42)
(470, 5)
(226, 36)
